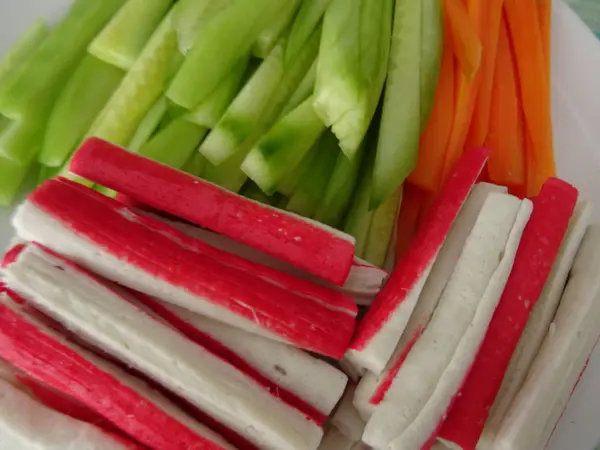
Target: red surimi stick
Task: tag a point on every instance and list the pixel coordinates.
(308, 245)
(381, 328)
(126, 402)
(151, 257)
(537, 251)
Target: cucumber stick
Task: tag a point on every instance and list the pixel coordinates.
(381, 230)
(21, 140)
(398, 145)
(305, 90)
(228, 175)
(80, 102)
(432, 45)
(307, 21)
(281, 150)
(148, 125)
(123, 39)
(219, 46)
(210, 111)
(352, 67)
(49, 65)
(315, 178)
(174, 144)
(12, 177)
(259, 103)
(22, 49)
(253, 192)
(45, 173)
(140, 89)
(290, 183)
(358, 219)
(270, 36)
(195, 164)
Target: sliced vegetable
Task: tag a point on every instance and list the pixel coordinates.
(432, 47)
(45, 173)
(305, 89)
(381, 230)
(228, 175)
(358, 219)
(21, 140)
(83, 97)
(465, 35)
(12, 177)
(195, 165)
(289, 185)
(149, 124)
(121, 42)
(306, 23)
(270, 36)
(253, 192)
(313, 247)
(22, 50)
(398, 145)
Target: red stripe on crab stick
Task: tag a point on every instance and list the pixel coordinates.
(538, 249)
(305, 244)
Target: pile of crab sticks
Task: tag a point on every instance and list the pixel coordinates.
(176, 315)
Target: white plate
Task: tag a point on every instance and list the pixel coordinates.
(576, 97)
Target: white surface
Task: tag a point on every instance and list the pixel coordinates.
(576, 91)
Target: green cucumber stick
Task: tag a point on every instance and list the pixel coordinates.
(398, 146)
(290, 183)
(148, 125)
(219, 46)
(342, 184)
(304, 90)
(352, 67)
(253, 192)
(432, 46)
(140, 89)
(4, 123)
(381, 230)
(22, 49)
(49, 65)
(281, 150)
(21, 140)
(307, 197)
(208, 112)
(228, 175)
(12, 177)
(79, 103)
(306, 22)
(358, 218)
(259, 103)
(195, 164)
(174, 144)
(269, 37)
(123, 39)
(45, 173)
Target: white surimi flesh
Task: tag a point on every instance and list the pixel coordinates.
(433, 371)
(108, 321)
(562, 356)
(347, 419)
(538, 324)
(336, 440)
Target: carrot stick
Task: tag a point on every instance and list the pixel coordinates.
(523, 23)
(412, 198)
(505, 138)
(434, 140)
(464, 35)
(481, 117)
(544, 8)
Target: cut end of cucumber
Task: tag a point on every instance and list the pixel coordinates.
(257, 168)
(219, 146)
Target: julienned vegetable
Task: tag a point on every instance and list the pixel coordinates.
(308, 245)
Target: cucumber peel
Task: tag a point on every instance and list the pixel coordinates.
(381, 230)
(306, 22)
(148, 125)
(123, 39)
(22, 49)
(290, 183)
(432, 46)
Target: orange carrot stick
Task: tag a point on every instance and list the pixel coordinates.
(434, 140)
(408, 217)
(544, 8)
(505, 138)
(464, 35)
(526, 35)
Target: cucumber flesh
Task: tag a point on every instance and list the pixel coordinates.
(382, 229)
(432, 45)
(400, 129)
(281, 150)
(80, 102)
(123, 39)
(46, 173)
(148, 125)
(358, 219)
(270, 36)
(289, 184)
(219, 46)
(253, 192)
(305, 90)
(53, 60)
(228, 175)
(22, 49)
(353, 63)
(21, 140)
(195, 164)
(306, 22)
(12, 177)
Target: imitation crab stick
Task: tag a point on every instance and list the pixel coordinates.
(538, 249)
(105, 317)
(381, 328)
(313, 247)
(414, 398)
(569, 342)
(149, 256)
(346, 417)
(127, 402)
(539, 322)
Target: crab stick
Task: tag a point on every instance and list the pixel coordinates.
(420, 389)
(151, 257)
(104, 316)
(346, 418)
(311, 246)
(125, 401)
(381, 328)
(562, 356)
(539, 247)
(539, 322)
(335, 440)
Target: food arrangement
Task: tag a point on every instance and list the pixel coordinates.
(311, 224)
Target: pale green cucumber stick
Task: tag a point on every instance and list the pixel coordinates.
(195, 165)
(80, 102)
(290, 183)
(432, 45)
(12, 177)
(398, 145)
(308, 18)
(220, 45)
(315, 178)
(148, 125)
(304, 90)
(22, 50)
(20, 141)
(352, 67)
(358, 218)
(269, 37)
(228, 175)
(45, 173)
(123, 39)
(175, 144)
(260, 102)
(381, 230)
(140, 89)
(253, 192)
(49, 65)
(280, 151)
